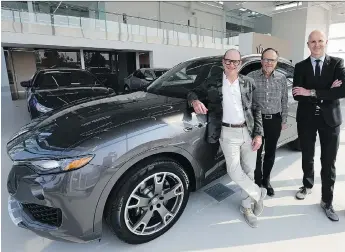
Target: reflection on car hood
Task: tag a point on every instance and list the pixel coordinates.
(65, 129)
(56, 98)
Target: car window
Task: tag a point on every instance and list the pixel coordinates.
(148, 74)
(159, 73)
(139, 74)
(56, 79)
(287, 70)
(250, 67)
(178, 81)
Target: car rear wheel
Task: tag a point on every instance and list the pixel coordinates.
(150, 201)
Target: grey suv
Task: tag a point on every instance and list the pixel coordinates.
(129, 159)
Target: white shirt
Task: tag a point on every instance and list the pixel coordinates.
(313, 62)
(232, 102)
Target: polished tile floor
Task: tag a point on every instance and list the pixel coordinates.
(208, 225)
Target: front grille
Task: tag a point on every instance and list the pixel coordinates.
(47, 215)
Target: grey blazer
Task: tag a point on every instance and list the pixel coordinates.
(210, 93)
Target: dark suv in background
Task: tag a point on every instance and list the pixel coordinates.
(129, 159)
(50, 89)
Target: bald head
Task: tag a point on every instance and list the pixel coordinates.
(317, 42)
(316, 33)
(231, 52)
(231, 62)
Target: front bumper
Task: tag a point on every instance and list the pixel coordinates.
(54, 206)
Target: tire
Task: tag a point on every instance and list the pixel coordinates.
(126, 89)
(122, 197)
(295, 145)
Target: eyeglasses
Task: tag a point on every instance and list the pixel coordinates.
(269, 60)
(229, 61)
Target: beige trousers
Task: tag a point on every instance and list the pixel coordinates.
(236, 145)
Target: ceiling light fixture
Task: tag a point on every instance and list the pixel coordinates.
(287, 6)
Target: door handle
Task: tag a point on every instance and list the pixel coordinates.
(188, 129)
(200, 125)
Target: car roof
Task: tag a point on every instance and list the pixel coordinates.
(245, 58)
(154, 69)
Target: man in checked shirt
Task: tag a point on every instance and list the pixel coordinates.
(272, 95)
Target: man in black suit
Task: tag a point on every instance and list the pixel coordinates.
(318, 85)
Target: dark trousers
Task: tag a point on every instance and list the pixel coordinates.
(329, 141)
(272, 129)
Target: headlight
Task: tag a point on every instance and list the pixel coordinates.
(61, 165)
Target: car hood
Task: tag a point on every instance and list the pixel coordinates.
(56, 98)
(61, 133)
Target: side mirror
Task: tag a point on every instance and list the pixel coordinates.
(26, 83)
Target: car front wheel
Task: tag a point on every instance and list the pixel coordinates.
(149, 202)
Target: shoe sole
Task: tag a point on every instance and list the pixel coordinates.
(328, 216)
(302, 198)
(241, 210)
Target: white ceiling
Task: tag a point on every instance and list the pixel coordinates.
(268, 8)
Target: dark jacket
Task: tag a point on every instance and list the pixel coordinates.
(326, 97)
(210, 93)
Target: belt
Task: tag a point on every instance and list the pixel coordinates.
(269, 116)
(242, 125)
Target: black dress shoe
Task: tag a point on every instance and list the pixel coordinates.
(270, 190)
(329, 211)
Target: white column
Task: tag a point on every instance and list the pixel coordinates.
(82, 60)
(295, 27)
(137, 62)
(31, 12)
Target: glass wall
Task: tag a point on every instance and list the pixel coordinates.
(244, 20)
(336, 41)
(49, 58)
(15, 5)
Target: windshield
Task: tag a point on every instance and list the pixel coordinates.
(179, 80)
(56, 79)
(159, 73)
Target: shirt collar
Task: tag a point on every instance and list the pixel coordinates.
(321, 58)
(224, 78)
(263, 74)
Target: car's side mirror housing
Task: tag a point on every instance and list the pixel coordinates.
(26, 83)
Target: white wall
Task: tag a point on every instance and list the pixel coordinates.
(296, 26)
(5, 84)
(174, 12)
(24, 65)
(291, 26)
(318, 18)
(246, 43)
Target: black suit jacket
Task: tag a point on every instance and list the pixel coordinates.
(326, 97)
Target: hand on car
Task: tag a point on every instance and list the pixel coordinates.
(256, 144)
(284, 126)
(336, 83)
(199, 107)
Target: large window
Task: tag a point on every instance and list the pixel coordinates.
(336, 42)
(56, 58)
(76, 9)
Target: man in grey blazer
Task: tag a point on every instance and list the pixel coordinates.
(235, 120)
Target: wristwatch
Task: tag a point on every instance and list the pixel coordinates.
(313, 93)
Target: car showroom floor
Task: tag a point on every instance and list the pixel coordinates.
(208, 225)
